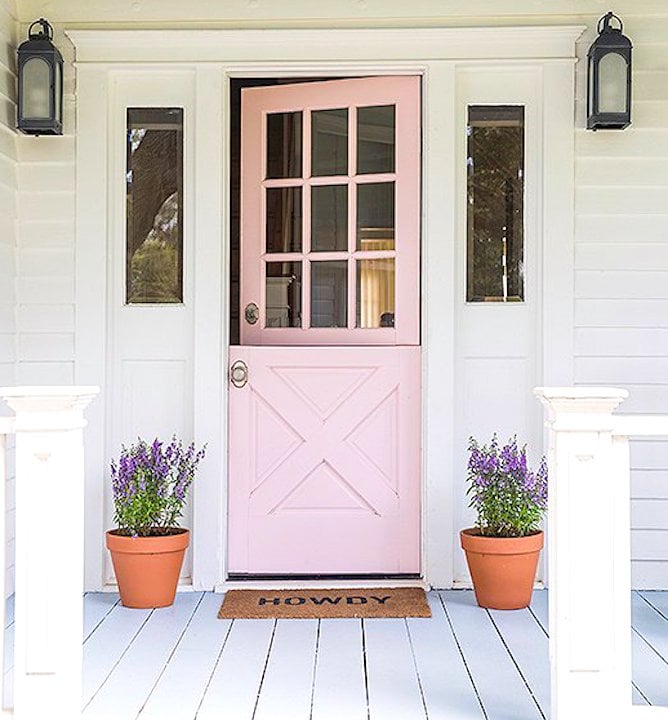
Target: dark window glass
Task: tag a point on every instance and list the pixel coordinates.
(375, 139)
(329, 142)
(284, 219)
(329, 294)
(284, 145)
(329, 217)
(375, 216)
(495, 203)
(284, 294)
(154, 206)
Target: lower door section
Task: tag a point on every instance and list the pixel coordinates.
(324, 461)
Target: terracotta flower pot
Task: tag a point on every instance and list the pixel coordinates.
(147, 568)
(503, 570)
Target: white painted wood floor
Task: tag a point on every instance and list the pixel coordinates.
(463, 663)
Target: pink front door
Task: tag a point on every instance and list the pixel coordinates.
(325, 385)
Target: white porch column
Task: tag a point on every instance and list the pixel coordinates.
(589, 555)
(49, 426)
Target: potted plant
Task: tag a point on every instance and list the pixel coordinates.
(150, 486)
(510, 500)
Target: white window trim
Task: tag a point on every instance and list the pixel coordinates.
(216, 55)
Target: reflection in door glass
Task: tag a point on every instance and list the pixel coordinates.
(329, 142)
(495, 204)
(284, 145)
(375, 139)
(375, 293)
(329, 294)
(284, 219)
(329, 217)
(375, 216)
(283, 294)
(154, 205)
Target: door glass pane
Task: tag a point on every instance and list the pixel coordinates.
(329, 142)
(329, 217)
(375, 293)
(284, 294)
(329, 294)
(375, 139)
(284, 219)
(495, 204)
(375, 216)
(154, 205)
(284, 145)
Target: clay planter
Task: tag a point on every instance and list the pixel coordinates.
(147, 568)
(503, 570)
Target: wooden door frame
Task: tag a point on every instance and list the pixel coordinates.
(213, 57)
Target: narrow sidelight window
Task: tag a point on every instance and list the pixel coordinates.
(154, 206)
(495, 203)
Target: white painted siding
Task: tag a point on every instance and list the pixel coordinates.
(621, 275)
(8, 213)
(620, 323)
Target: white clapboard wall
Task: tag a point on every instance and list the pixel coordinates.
(620, 321)
(8, 217)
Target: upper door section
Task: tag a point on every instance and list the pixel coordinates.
(330, 231)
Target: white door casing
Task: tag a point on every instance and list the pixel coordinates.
(212, 56)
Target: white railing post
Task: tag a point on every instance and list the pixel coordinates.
(588, 555)
(49, 426)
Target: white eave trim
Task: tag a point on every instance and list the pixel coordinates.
(329, 45)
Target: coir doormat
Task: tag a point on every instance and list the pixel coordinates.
(355, 603)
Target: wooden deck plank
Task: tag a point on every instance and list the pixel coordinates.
(500, 687)
(637, 698)
(105, 647)
(96, 607)
(180, 688)
(446, 685)
(657, 599)
(125, 690)
(339, 688)
(394, 691)
(540, 608)
(529, 646)
(650, 672)
(290, 665)
(233, 689)
(651, 624)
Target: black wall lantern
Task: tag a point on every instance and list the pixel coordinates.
(40, 70)
(609, 78)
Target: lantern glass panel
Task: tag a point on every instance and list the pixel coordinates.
(612, 84)
(36, 87)
(57, 95)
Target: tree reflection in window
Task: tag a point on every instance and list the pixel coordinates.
(495, 203)
(154, 206)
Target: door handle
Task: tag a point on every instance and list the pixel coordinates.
(239, 373)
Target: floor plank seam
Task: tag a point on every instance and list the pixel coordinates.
(315, 668)
(462, 656)
(169, 658)
(213, 670)
(516, 664)
(650, 646)
(540, 624)
(656, 609)
(417, 671)
(641, 693)
(264, 669)
(119, 660)
(366, 671)
(106, 615)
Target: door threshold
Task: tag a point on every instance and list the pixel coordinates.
(317, 582)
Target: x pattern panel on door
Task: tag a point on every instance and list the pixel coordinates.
(327, 478)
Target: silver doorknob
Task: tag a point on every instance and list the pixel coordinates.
(252, 313)
(239, 373)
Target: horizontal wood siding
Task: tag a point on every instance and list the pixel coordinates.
(45, 288)
(8, 218)
(621, 273)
